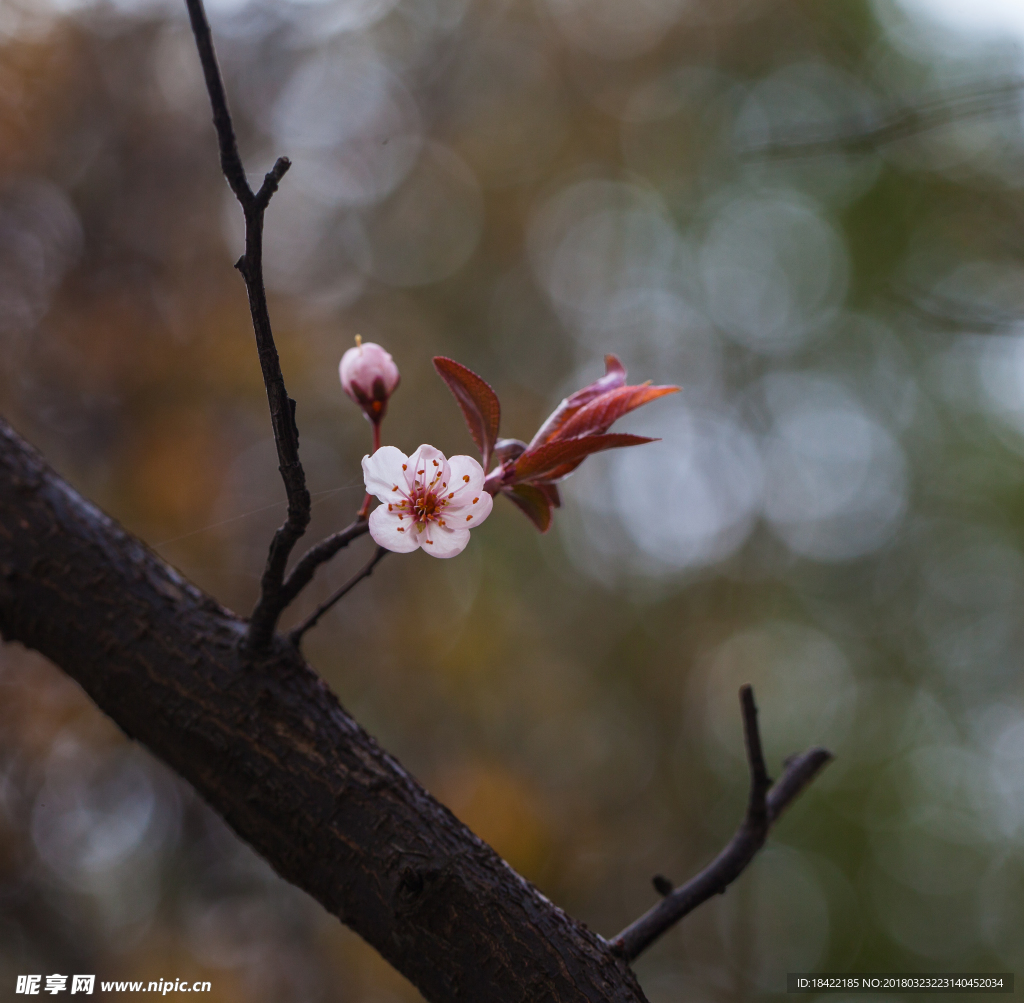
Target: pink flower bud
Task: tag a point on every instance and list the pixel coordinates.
(369, 376)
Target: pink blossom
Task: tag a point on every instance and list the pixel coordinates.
(426, 500)
(369, 376)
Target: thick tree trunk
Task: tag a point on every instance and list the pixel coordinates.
(271, 749)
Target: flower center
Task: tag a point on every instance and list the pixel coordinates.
(425, 502)
(425, 505)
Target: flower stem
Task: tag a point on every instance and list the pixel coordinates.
(365, 510)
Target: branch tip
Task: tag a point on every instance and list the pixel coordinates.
(270, 182)
(757, 808)
(767, 801)
(662, 885)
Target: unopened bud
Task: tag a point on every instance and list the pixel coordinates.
(369, 376)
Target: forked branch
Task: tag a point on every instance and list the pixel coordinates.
(302, 574)
(282, 408)
(766, 803)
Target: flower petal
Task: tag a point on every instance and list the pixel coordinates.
(428, 468)
(443, 541)
(391, 533)
(470, 510)
(467, 478)
(384, 471)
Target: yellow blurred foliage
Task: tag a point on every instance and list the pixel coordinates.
(503, 810)
(176, 470)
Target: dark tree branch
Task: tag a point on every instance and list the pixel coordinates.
(864, 136)
(302, 574)
(282, 407)
(764, 806)
(230, 161)
(295, 635)
(264, 741)
(271, 180)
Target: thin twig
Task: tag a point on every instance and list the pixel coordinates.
(230, 161)
(863, 137)
(763, 808)
(302, 574)
(295, 635)
(282, 407)
(271, 180)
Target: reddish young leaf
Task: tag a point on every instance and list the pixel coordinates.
(533, 502)
(614, 377)
(553, 456)
(478, 401)
(599, 415)
(508, 449)
(551, 493)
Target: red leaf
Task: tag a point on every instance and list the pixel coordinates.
(479, 403)
(548, 461)
(532, 500)
(508, 449)
(614, 377)
(598, 416)
(551, 493)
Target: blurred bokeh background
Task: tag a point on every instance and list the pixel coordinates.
(808, 215)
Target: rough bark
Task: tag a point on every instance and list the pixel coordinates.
(270, 748)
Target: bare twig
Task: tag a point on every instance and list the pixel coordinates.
(864, 136)
(282, 407)
(764, 806)
(295, 635)
(302, 574)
